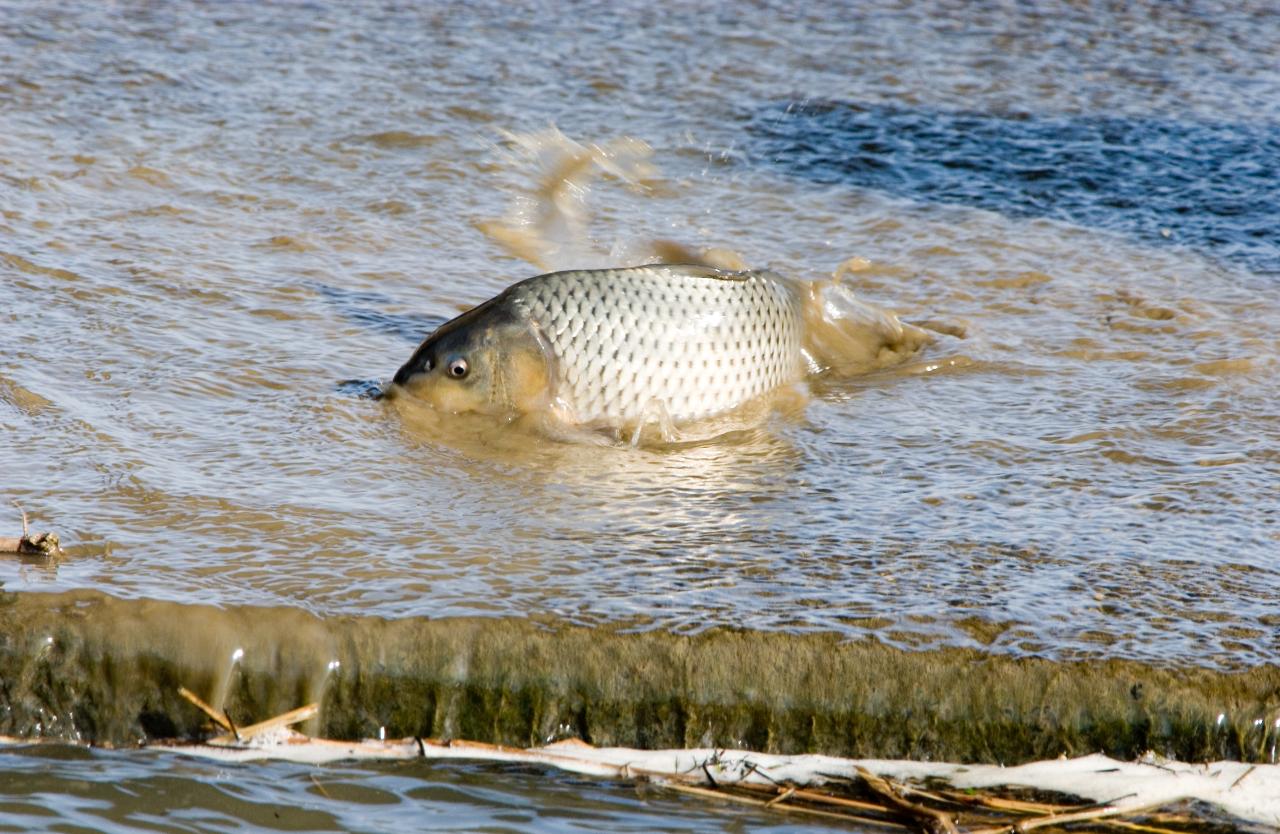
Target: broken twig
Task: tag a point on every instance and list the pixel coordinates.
(930, 819)
(219, 717)
(296, 716)
(41, 544)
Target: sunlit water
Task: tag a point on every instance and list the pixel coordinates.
(222, 225)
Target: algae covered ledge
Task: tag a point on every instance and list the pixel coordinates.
(88, 667)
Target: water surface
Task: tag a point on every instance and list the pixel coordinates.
(119, 791)
(221, 224)
(216, 215)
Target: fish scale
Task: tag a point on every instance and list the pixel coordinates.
(684, 341)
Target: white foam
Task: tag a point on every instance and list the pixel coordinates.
(1249, 792)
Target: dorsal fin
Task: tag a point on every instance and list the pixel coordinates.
(701, 271)
(672, 270)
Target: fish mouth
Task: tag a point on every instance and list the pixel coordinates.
(417, 366)
(406, 378)
(407, 381)
(413, 379)
(403, 375)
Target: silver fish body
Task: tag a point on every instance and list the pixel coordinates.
(617, 346)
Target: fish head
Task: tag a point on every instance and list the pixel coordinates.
(488, 360)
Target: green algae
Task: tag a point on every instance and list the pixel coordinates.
(89, 667)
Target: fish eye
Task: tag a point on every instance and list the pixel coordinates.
(458, 368)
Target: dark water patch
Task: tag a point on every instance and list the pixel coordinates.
(362, 389)
(412, 328)
(87, 667)
(1212, 186)
(368, 310)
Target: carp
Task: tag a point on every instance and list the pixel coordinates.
(617, 347)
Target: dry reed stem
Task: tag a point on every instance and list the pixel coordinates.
(1137, 826)
(1062, 819)
(791, 809)
(1243, 776)
(319, 786)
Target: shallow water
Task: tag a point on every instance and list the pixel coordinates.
(221, 225)
(110, 791)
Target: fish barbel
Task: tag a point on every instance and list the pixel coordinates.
(616, 347)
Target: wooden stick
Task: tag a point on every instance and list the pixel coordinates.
(781, 797)
(283, 720)
(817, 796)
(998, 803)
(1242, 776)
(219, 717)
(935, 822)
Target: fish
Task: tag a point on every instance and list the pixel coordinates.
(665, 343)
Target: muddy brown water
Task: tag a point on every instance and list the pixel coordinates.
(222, 226)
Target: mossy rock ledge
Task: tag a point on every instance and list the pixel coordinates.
(89, 667)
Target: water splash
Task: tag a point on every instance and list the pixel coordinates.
(548, 222)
